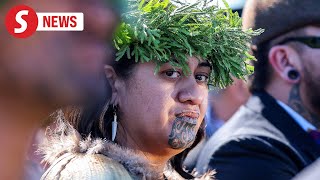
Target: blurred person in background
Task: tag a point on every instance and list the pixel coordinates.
(274, 135)
(223, 103)
(49, 70)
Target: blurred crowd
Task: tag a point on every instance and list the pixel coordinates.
(68, 110)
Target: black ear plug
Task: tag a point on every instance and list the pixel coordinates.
(293, 74)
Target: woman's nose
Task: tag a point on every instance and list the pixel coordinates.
(192, 93)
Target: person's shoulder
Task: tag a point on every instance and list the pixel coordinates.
(247, 128)
(232, 146)
(249, 121)
(256, 152)
(250, 143)
(244, 135)
(244, 123)
(70, 156)
(86, 166)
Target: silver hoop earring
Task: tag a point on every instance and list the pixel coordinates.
(114, 124)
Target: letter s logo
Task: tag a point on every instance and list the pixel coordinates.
(21, 21)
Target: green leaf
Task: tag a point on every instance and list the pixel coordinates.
(157, 30)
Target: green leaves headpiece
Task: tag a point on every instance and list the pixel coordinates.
(159, 31)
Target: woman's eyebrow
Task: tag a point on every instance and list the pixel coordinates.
(205, 64)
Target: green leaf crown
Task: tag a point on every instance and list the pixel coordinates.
(160, 31)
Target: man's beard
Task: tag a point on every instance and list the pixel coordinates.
(312, 87)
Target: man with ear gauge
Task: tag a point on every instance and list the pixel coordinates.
(274, 135)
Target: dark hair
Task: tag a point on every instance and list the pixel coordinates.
(262, 68)
(88, 120)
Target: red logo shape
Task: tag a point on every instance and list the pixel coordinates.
(21, 21)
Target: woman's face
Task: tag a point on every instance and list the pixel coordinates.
(163, 110)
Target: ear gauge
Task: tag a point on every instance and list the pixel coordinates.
(293, 74)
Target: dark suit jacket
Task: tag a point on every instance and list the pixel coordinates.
(261, 141)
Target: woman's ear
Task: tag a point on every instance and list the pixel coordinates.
(114, 82)
(283, 60)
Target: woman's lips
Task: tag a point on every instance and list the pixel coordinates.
(188, 113)
(190, 117)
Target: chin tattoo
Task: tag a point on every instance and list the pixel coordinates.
(183, 133)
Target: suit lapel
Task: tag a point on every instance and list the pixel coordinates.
(296, 136)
